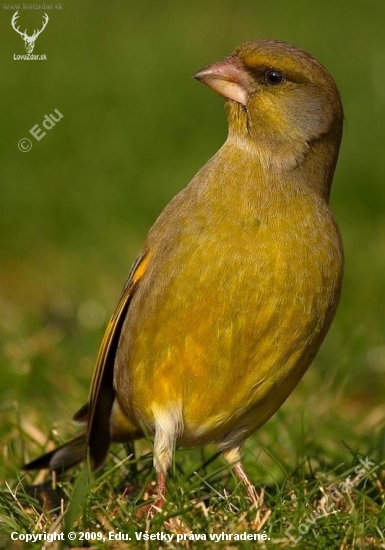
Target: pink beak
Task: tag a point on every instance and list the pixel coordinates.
(227, 77)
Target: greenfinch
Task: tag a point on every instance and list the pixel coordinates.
(238, 280)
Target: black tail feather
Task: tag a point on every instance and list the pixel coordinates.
(62, 458)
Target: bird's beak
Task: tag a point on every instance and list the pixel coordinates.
(227, 77)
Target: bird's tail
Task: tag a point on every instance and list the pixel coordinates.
(63, 457)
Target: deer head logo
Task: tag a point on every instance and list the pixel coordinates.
(29, 40)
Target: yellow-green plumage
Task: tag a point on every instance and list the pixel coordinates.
(239, 278)
(222, 324)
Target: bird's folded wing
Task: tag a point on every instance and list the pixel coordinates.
(102, 394)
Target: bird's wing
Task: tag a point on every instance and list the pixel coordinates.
(102, 394)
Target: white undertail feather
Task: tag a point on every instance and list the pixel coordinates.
(168, 427)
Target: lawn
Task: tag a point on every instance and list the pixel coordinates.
(74, 211)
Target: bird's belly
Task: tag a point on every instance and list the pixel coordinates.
(226, 347)
(260, 357)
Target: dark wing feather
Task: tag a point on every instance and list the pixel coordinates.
(102, 392)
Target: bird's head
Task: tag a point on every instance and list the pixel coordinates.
(281, 100)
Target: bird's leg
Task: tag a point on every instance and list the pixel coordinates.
(158, 504)
(161, 486)
(233, 457)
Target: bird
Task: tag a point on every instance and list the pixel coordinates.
(238, 280)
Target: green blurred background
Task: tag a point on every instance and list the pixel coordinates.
(135, 129)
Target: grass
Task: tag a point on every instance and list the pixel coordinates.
(73, 214)
(203, 498)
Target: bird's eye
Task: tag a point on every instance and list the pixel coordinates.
(274, 77)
